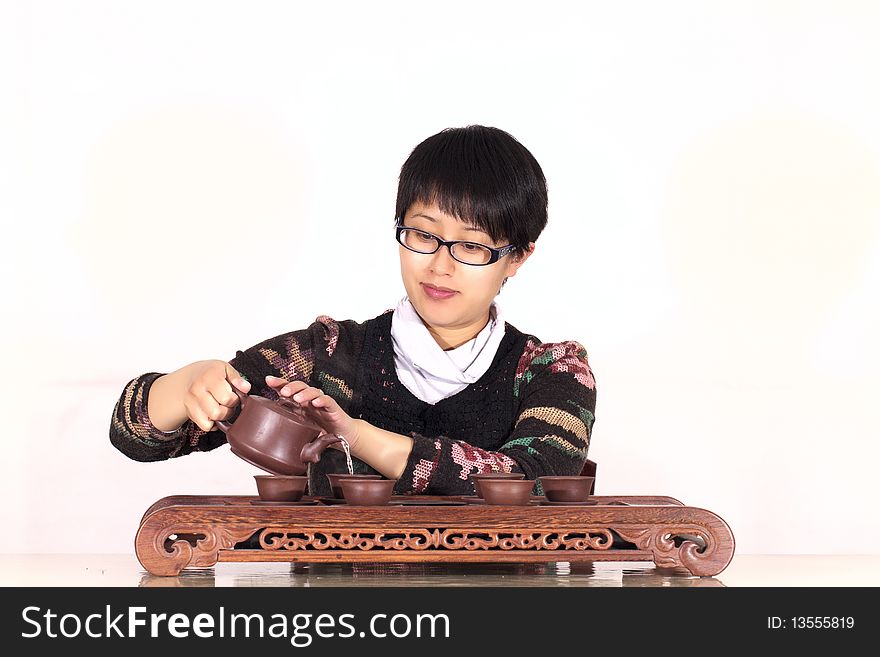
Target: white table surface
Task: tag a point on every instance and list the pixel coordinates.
(745, 570)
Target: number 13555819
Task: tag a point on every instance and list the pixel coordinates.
(811, 623)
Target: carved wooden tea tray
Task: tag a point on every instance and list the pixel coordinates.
(197, 531)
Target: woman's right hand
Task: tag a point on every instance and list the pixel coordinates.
(208, 395)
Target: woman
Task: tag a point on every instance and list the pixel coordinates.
(429, 392)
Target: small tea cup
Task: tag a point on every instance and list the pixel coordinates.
(511, 492)
(567, 489)
(335, 478)
(281, 488)
(367, 492)
(477, 477)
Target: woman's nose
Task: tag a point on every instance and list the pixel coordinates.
(442, 260)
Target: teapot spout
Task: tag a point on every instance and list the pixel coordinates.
(311, 452)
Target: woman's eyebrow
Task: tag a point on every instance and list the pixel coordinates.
(430, 218)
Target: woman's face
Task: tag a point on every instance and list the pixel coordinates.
(474, 287)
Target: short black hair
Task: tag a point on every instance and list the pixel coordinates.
(482, 176)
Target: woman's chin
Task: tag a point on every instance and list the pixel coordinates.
(433, 315)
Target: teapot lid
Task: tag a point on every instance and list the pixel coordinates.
(286, 407)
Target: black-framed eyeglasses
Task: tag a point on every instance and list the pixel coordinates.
(467, 253)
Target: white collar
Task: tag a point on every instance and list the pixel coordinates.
(428, 371)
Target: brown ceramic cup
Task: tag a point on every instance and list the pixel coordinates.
(567, 489)
(335, 477)
(277, 488)
(511, 492)
(477, 477)
(367, 492)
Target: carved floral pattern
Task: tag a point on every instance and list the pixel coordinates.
(192, 545)
(660, 540)
(279, 538)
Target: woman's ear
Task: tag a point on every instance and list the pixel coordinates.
(518, 260)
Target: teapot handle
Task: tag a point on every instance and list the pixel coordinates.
(223, 425)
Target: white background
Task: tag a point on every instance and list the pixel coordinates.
(179, 180)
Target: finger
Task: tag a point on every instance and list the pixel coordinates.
(234, 378)
(233, 375)
(217, 409)
(275, 381)
(219, 404)
(220, 394)
(293, 388)
(326, 403)
(306, 395)
(197, 414)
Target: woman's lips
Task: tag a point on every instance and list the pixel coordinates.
(434, 293)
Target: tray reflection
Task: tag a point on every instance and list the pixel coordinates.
(632, 574)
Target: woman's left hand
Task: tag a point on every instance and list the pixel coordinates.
(320, 407)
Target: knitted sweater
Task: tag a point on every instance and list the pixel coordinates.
(532, 411)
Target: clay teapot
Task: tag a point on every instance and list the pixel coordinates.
(275, 436)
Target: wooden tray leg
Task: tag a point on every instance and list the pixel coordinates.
(706, 543)
(165, 544)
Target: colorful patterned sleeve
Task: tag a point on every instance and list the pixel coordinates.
(290, 356)
(557, 395)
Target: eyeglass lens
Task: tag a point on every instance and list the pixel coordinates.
(469, 253)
